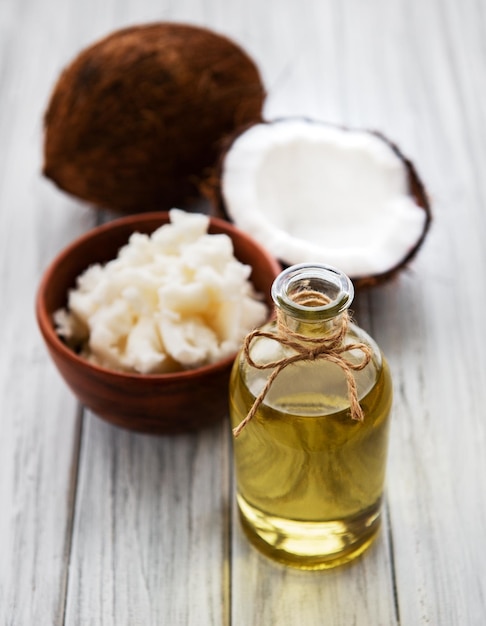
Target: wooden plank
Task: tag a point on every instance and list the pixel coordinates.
(430, 94)
(39, 418)
(305, 65)
(39, 422)
(150, 534)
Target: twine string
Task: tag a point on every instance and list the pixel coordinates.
(329, 348)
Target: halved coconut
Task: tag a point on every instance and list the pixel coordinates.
(313, 192)
(137, 117)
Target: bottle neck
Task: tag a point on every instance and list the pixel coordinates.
(320, 328)
(312, 299)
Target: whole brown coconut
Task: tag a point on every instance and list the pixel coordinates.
(135, 119)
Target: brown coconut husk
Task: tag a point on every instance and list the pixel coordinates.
(211, 188)
(136, 119)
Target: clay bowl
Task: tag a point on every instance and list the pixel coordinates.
(157, 403)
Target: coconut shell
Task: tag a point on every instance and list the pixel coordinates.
(136, 119)
(212, 190)
(418, 192)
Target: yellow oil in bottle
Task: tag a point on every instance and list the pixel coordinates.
(309, 478)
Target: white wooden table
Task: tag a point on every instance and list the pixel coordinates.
(103, 527)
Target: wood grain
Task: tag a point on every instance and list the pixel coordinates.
(99, 526)
(150, 532)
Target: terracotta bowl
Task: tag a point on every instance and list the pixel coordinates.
(157, 403)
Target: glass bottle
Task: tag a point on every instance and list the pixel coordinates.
(310, 444)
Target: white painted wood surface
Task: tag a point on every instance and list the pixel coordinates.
(100, 526)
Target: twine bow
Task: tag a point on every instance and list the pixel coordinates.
(328, 348)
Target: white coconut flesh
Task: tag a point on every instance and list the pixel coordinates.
(315, 193)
